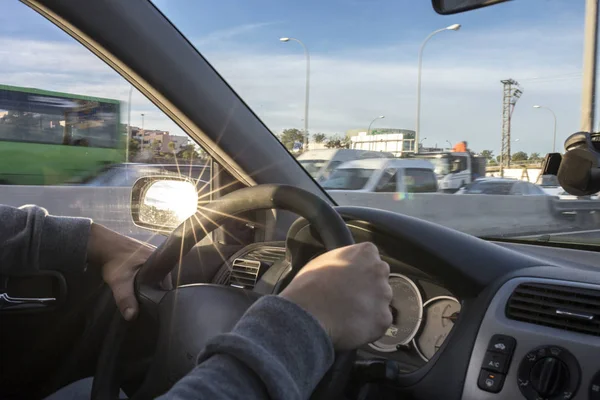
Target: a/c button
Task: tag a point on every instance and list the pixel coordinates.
(495, 362)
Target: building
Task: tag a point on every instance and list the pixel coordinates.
(396, 141)
(158, 138)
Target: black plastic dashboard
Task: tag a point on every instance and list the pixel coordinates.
(482, 275)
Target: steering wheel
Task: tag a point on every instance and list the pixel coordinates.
(188, 317)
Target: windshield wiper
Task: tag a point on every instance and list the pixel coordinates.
(562, 239)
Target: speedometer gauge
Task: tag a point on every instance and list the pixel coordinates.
(407, 308)
(440, 314)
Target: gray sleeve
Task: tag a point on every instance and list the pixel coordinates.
(276, 351)
(32, 240)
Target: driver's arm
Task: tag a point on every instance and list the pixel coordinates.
(31, 240)
(283, 345)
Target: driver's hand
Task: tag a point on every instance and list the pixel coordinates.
(120, 258)
(348, 292)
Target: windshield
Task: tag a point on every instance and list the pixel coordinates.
(348, 179)
(482, 73)
(441, 165)
(313, 167)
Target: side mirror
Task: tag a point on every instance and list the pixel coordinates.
(446, 7)
(162, 203)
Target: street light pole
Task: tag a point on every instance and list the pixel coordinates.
(143, 133)
(554, 135)
(128, 126)
(374, 119)
(453, 27)
(307, 89)
(590, 49)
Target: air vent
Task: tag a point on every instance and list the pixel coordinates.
(266, 254)
(244, 273)
(563, 307)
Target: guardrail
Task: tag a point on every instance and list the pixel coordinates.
(586, 213)
(485, 215)
(479, 215)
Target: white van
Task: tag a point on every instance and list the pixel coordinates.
(320, 163)
(384, 175)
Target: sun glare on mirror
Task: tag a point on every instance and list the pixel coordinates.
(171, 202)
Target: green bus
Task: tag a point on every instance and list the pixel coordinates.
(50, 138)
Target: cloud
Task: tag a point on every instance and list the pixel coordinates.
(223, 35)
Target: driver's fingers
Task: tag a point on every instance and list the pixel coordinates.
(124, 297)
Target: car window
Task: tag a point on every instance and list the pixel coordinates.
(518, 189)
(388, 181)
(535, 190)
(490, 187)
(67, 118)
(547, 181)
(419, 180)
(330, 167)
(348, 178)
(313, 167)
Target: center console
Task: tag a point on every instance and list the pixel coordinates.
(539, 339)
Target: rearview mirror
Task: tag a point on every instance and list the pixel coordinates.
(446, 7)
(162, 203)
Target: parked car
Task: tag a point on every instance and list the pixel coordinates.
(384, 175)
(125, 175)
(502, 186)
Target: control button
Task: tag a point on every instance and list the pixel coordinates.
(549, 372)
(595, 387)
(549, 376)
(490, 381)
(502, 344)
(495, 362)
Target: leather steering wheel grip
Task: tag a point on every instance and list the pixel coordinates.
(320, 215)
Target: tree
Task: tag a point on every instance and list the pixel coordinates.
(519, 156)
(319, 137)
(487, 154)
(290, 136)
(188, 152)
(498, 158)
(172, 147)
(492, 162)
(155, 145)
(338, 142)
(535, 157)
(134, 148)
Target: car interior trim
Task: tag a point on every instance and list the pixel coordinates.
(529, 337)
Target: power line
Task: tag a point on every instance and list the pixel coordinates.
(569, 75)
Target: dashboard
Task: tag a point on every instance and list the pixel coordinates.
(423, 311)
(473, 319)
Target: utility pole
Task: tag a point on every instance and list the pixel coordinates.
(590, 48)
(512, 93)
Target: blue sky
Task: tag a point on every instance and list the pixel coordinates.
(364, 57)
